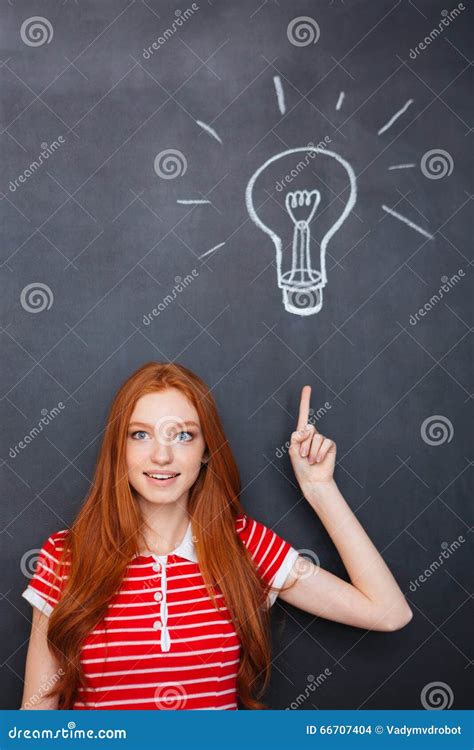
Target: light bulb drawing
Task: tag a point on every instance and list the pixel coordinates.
(303, 282)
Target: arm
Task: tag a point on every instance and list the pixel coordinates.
(373, 599)
(41, 669)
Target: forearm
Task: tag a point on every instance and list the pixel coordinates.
(364, 564)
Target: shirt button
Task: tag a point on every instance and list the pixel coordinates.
(158, 596)
(157, 566)
(157, 625)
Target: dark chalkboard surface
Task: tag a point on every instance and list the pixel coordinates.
(271, 194)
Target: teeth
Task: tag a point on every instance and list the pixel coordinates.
(161, 476)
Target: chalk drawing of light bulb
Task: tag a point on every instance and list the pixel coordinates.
(301, 262)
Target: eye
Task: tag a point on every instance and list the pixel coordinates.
(138, 432)
(185, 432)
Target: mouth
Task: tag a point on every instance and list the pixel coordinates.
(164, 478)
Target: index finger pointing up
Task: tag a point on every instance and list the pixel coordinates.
(303, 415)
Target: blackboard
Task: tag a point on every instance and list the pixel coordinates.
(131, 132)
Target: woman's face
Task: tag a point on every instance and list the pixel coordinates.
(164, 438)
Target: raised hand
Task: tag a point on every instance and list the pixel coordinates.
(312, 455)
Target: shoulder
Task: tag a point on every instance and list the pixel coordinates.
(49, 572)
(59, 536)
(273, 555)
(246, 527)
(56, 540)
(241, 522)
(257, 537)
(53, 546)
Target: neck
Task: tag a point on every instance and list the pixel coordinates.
(163, 526)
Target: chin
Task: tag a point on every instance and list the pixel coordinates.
(160, 499)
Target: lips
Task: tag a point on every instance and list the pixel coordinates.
(160, 477)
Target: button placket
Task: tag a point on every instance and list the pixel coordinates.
(165, 640)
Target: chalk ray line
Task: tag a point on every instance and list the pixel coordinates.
(209, 130)
(408, 222)
(395, 117)
(212, 250)
(280, 94)
(402, 166)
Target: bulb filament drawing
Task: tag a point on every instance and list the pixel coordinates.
(302, 278)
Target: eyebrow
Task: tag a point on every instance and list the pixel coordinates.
(144, 424)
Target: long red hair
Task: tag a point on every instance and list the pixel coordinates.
(106, 534)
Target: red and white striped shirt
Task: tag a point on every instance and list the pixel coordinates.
(162, 643)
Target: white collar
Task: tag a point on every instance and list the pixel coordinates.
(185, 549)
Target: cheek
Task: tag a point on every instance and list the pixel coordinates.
(135, 456)
(194, 456)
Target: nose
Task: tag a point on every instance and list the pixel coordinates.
(161, 451)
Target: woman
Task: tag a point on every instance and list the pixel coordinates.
(158, 596)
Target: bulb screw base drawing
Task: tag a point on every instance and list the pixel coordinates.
(303, 301)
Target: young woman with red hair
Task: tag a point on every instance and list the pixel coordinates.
(158, 595)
